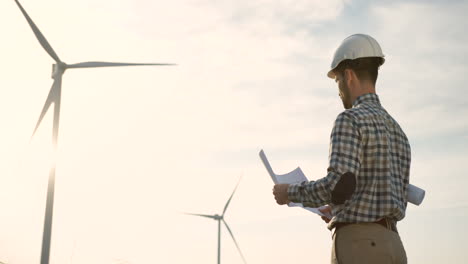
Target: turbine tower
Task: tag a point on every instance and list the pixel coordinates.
(54, 97)
(220, 218)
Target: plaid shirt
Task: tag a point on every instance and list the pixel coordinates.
(367, 142)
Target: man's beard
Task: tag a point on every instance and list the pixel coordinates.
(345, 96)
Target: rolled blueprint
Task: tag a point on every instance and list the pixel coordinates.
(415, 194)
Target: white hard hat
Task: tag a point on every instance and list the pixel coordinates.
(353, 47)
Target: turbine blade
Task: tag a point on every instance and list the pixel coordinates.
(235, 242)
(38, 34)
(227, 203)
(95, 64)
(202, 215)
(51, 98)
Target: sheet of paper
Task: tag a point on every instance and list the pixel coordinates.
(295, 176)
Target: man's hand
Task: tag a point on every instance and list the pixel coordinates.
(327, 211)
(281, 193)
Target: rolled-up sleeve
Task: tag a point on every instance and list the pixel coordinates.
(344, 157)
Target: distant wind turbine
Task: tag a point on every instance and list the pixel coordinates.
(220, 218)
(54, 97)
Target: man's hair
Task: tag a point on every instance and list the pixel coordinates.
(365, 68)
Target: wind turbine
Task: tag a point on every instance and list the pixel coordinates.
(54, 97)
(220, 218)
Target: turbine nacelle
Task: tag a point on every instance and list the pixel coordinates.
(218, 217)
(58, 69)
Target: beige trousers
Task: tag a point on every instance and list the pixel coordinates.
(367, 243)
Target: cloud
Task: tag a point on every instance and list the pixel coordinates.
(423, 76)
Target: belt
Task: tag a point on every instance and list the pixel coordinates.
(388, 224)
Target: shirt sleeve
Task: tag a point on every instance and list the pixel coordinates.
(344, 157)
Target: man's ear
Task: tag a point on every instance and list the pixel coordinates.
(349, 76)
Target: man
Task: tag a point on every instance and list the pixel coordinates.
(369, 164)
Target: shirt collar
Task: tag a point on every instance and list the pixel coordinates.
(366, 98)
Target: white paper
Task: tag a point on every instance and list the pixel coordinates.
(295, 176)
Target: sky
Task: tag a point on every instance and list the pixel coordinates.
(139, 146)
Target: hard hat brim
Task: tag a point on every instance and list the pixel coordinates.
(332, 75)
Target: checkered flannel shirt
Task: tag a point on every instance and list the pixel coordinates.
(367, 142)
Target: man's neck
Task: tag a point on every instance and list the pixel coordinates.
(363, 88)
